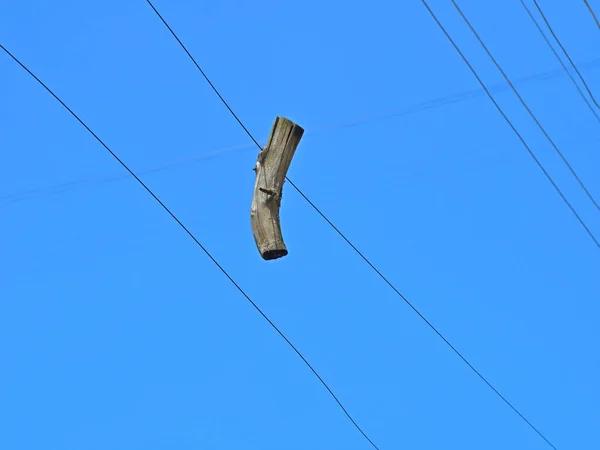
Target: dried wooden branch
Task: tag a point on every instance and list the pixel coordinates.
(271, 167)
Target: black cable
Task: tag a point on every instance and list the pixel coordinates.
(537, 161)
(539, 28)
(190, 234)
(592, 13)
(537, 122)
(439, 24)
(168, 165)
(566, 53)
(389, 283)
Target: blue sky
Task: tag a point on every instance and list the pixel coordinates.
(116, 332)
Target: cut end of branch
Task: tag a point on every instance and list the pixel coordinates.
(274, 254)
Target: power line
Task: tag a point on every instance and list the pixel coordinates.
(109, 178)
(191, 235)
(364, 258)
(537, 122)
(16, 197)
(508, 121)
(592, 13)
(539, 28)
(448, 99)
(565, 52)
(439, 24)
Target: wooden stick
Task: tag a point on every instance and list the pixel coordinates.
(271, 167)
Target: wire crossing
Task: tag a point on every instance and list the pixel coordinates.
(509, 122)
(539, 8)
(443, 29)
(539, 28)
(537, 122)
(414, 108)
(532, 116)
(364, 258)
(198, 243)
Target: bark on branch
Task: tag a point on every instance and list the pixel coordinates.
(271, 168)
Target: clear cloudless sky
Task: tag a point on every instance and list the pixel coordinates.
(117, 332)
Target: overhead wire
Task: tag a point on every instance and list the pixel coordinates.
(15, 197)
(446, 100)
(109, 178)
(529, 111)
(563, 65)
(512, 126)
(585, 85)
(198, 243)
(539, 164)
(358, 252)
(589, 7)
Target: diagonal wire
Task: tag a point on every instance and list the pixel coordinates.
(537, 122)
(537, 161)
(191, 235)
(539, 28)
(589, 232)
(439, 24)
(565, 52)
(592, 13)
(6, 199)
(111, 178)
(383, 277)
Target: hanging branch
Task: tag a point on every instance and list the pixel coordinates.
(271, 168)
